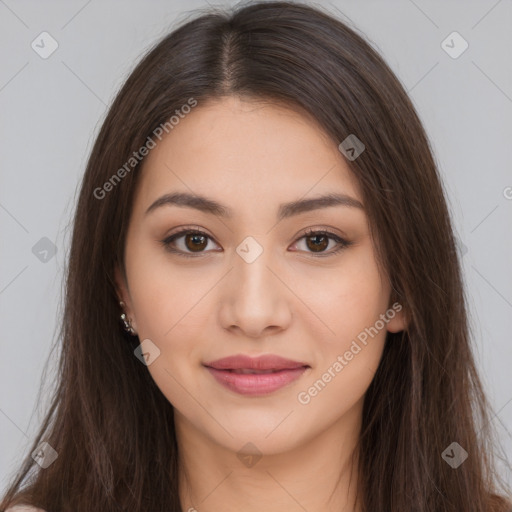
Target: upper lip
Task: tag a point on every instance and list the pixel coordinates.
(264, 362)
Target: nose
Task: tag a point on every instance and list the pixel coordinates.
(255, 301)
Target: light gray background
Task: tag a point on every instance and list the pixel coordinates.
(51, 110)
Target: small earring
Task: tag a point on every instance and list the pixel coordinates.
(126, 321)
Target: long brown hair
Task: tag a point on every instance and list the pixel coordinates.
(109, 423)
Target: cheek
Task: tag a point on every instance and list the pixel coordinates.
(348, 359)
(335, 388)
(351, 299)
(170, 312)
(173, 312)
(164, 296)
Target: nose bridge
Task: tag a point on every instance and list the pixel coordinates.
(256, 296)
(251, 273)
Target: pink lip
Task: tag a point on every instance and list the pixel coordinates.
(285, 371)
(264, 362)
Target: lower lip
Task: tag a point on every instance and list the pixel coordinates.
(256, 383)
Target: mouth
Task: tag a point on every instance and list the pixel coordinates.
(246, 375)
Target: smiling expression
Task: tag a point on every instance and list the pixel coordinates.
(231, 250)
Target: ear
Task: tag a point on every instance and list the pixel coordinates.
(123, 294)
(397, 315)
(121, 286)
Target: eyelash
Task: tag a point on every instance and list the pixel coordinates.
(343, 244)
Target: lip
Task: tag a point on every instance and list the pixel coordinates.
(283, 372)
(264, 362)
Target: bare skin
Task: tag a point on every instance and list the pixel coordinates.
(292, 301)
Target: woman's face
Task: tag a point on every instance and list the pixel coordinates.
(254, 282)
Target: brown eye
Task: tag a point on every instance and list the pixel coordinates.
(317, 243)
(192, 242)
(187, 242)
(195, 241)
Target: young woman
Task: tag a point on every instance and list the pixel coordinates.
(264, 303)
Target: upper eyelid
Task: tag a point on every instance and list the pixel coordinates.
(307, 232)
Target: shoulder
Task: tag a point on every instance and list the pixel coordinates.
(24, 508)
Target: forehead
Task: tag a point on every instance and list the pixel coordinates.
(245, 152)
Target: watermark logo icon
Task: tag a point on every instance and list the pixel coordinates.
(454, 45)
(249, 250)
(454, 455)
(44, 455)
(44, 250)
(147, 352)
(44, 45)
(249, 455)
(351, 147)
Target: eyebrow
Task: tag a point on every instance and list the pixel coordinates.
(207, 205)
